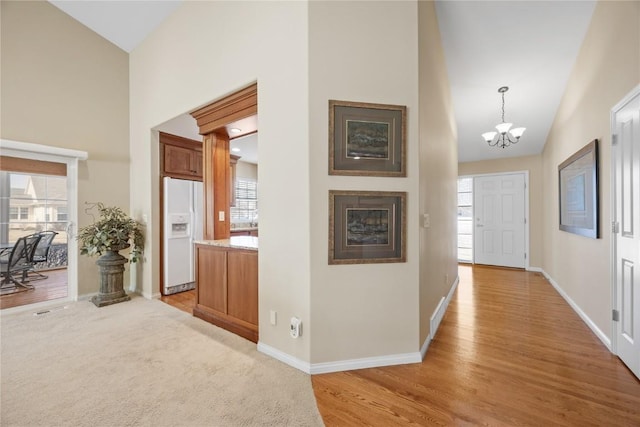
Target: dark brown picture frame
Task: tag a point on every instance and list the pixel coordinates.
(578, 192)
(367, 139)
(367, 227)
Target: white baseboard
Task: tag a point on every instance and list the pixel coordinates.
(437, 316)
(367, 362)
(284, 357)
(425, 346)
(342, 365)
(534, 269)
(594, 328)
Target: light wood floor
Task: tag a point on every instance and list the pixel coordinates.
(53, 287)
(184, 301)
(509, 352)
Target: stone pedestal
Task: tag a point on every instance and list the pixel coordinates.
(111, 280)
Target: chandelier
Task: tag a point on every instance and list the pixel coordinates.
(505, 137)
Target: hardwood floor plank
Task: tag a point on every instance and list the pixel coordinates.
(53, 287)
(509, 352)
(184, 301)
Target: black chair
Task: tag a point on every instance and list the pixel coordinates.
(18, 261)
(41, 253)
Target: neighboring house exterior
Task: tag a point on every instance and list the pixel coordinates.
(40, 205)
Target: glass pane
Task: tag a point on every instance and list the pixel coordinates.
(465, 212)
(465, 184)
(465, 255)
(465, 226)
(465, 199)
(19, 183)
(464, 241)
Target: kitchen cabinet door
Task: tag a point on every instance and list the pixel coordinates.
(242, 285)
(211, 278)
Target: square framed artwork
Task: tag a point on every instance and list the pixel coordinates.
(367, 139)
(367, 227)
(578, 192)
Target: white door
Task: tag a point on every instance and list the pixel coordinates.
(499, 213)
(626, 237)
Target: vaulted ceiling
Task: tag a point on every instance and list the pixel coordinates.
(529, 46)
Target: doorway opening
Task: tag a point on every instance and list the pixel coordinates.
(493, 226)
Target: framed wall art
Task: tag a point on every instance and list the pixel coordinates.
(578, 192)
(367, 139)
(367, 227)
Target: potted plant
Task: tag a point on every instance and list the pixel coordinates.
(106, 237)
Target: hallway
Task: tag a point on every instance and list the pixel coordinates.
(509, 351)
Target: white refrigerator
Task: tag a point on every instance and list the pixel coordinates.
(182, 225)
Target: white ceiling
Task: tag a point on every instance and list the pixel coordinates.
(124, 23)
(529, 46)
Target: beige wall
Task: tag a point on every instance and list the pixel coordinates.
(302, 55)
(438, 172)
(533, 164)
(246, 170)
(362, 310)
(607, 68)
(65, 86)
(202, 52)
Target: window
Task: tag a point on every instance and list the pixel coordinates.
(31, 203)
(16, 213)
(62, 213)
(465, 219)
(246, 208)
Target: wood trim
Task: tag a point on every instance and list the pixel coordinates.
(236, 106)
(226, 322)
(221, 175)
(167, 138)
(16, 164)
(209, 146)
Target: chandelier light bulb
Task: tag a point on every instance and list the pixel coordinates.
(505, 136)
(488, 136)
(517, 132)
(504, 127)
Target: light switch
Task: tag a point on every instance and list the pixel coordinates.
(426, 220)
(221, 216)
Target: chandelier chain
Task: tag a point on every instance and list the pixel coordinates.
(502, 107)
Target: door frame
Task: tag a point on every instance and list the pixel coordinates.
(526, 212)
(612, 203)
(69, 157)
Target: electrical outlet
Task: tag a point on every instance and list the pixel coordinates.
(296, 327)
(221, 216)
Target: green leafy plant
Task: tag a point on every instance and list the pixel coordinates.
(113, 231)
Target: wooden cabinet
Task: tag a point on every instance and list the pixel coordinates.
(181, 157)
(227, 289)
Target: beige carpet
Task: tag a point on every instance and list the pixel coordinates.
(141, 363)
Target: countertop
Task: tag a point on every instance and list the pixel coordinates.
(235, 242)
